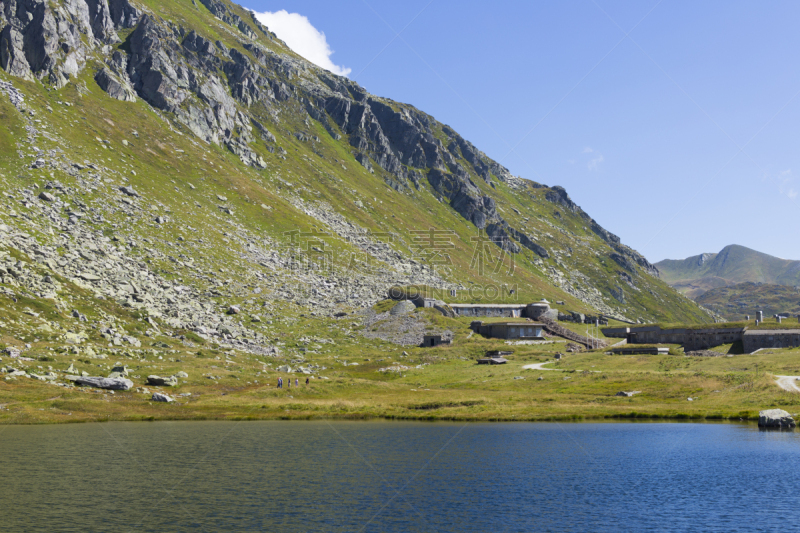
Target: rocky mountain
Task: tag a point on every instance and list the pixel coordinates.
(731, 266)
(737, 301)
(175, 164)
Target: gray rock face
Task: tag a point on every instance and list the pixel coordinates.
(775, 418)
(158, 381)
(123, 14)
(115, 86)
(105, 383)
(44, 40)
(12, 53)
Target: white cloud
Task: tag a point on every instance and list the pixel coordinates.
(594, 160)
(302, 37)
(785, 182)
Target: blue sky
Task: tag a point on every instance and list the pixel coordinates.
(681, 137)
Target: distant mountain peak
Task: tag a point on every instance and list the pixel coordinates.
(734, 264)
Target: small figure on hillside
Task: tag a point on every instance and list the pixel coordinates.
(280, 383)
(289, 384)
(306, 381)
(296, 382)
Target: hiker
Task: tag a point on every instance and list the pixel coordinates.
(280, 384)
(296, 383)
(306, 381)
(289, 386)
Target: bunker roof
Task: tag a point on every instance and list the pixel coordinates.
(772, 332)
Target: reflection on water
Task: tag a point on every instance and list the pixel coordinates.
(387, 476)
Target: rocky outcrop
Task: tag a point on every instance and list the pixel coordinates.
(152, 68)
(528, 243)
(465, 198)
(12, 53)
(114, 86)
(623, 261)
(45, 40)
(222, 12)
(558, 195)
(123, 14)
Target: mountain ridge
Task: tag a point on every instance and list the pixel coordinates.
(732, 265)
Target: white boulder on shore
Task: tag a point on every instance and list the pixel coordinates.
(775, 418)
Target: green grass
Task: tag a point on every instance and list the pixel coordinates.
(448, 386)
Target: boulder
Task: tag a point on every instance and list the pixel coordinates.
(159, 381)
(158, 397)
(628, 393)
(122, 369)
(103, 383)
(775, 418)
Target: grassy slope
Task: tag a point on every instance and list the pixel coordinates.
(316, 172)
(167, 159)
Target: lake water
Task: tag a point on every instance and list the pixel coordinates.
(396, 476)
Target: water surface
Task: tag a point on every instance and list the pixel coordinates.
(396, 476)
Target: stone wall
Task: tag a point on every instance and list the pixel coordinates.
(779, 338)
(488, 310)
(691, 339)
(617, 333)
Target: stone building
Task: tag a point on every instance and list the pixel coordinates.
(489, 310)
(757, 339)
(429, 341)
(534, 311)
(509, 330)
(618, 333)
(705, 338)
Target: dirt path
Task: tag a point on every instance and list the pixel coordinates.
(788, 383)
(538, 366)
